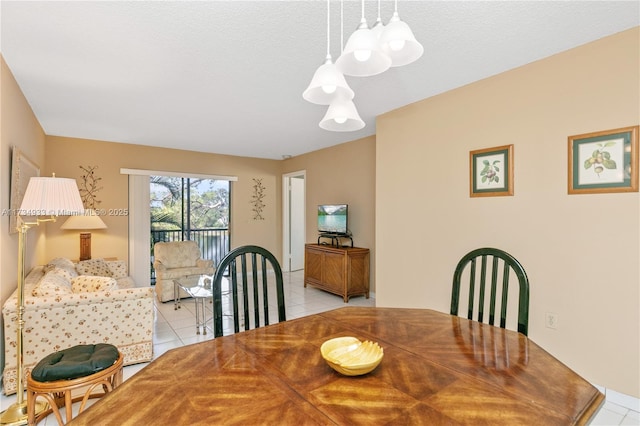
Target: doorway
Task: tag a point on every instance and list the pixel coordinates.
(293, 217)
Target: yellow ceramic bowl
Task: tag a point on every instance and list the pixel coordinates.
(350, 356)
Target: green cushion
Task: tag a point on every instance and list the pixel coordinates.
(77, 361)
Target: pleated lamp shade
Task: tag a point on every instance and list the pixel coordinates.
(51, 196)
(327, 83)
(88, 220)
(398, 42)
(342, 116)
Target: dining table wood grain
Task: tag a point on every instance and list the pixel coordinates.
(437, 369)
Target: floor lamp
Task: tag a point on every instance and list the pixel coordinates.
(45, 196)
(90, 220)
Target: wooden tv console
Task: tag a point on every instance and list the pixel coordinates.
(340, 270)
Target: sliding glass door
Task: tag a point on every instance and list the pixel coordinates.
(187, 208)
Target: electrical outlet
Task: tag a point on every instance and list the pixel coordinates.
(551, 320)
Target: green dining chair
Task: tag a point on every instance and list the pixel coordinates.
(488, 287)
(244, 281)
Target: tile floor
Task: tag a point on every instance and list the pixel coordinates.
(175, 328)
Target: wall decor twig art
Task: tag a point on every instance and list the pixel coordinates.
(89, 187)
(257, 199)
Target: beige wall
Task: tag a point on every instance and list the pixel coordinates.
(581, 252)
(66, 155)
(341, 174)
(18, 127)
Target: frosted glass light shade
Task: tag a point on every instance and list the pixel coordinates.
(342, 116)
(398, 42)
(51, 196)
(378, 29)
(361, 41)
(89, 220)
(327, 75)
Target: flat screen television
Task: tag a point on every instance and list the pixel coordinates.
(333, 218)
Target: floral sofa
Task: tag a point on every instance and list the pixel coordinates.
(68, 304)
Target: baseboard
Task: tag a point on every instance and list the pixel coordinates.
(621, 399)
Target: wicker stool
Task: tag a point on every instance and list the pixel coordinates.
(58, 374)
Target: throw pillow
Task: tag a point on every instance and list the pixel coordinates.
(67, 274)
(96, 267)
(118, 268)
(53, 283)
(89, 284)
(59, 262)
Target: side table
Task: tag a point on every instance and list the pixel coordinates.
(199, 288)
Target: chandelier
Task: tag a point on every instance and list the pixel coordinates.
(368, 51)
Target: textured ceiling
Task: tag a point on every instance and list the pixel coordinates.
(228, 76)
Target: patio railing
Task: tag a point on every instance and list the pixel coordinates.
(214, 243)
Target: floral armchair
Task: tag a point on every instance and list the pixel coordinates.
(174, 260)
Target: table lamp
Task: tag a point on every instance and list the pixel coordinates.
(45, 196)
(90, 220)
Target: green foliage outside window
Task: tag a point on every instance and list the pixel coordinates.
(188, 203)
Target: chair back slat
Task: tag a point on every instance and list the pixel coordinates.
(499, 285)
(245, 292)
(494, 286)
(265, 290)
(254, 287)
(234, 293)
(254, 263)
(483, 286)
(472, 288)
(505, 293)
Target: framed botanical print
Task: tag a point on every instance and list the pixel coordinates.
(605, 161)
(491, 172)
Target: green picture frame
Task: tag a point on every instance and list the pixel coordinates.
(603, 162)
(491, 172)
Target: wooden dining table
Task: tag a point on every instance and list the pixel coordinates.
(437, 369)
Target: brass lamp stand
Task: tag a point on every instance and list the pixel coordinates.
(47, 196)
(16, 414)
